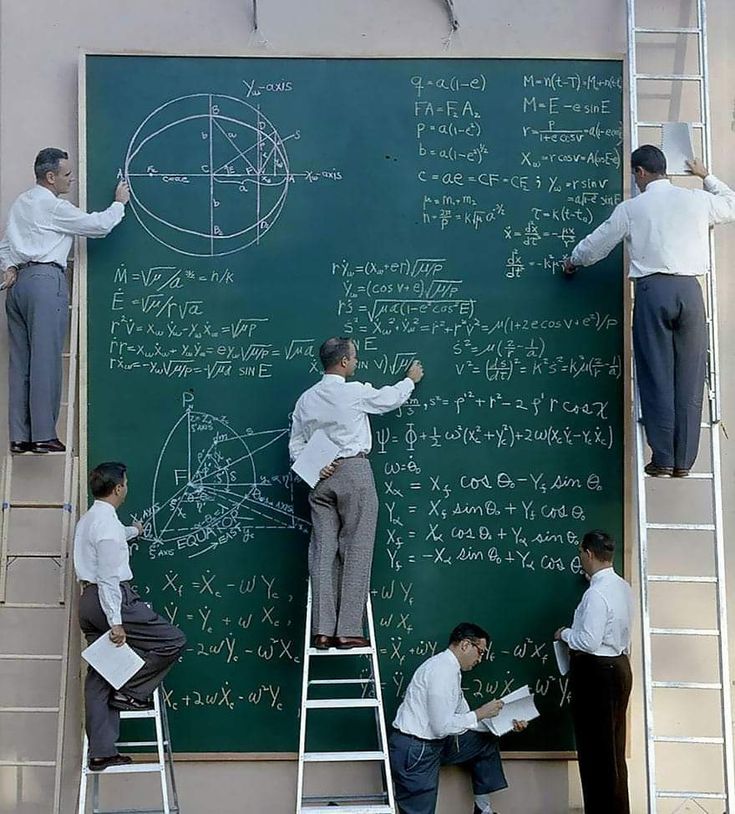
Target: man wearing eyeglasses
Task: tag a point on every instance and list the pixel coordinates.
(434, 727)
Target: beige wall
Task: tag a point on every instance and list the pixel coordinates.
(39, 44)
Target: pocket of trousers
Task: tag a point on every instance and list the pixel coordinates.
(412, 759)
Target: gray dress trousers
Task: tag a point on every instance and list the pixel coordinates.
(37, 307)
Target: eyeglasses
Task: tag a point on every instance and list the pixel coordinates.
(481, 651)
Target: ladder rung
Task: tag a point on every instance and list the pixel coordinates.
(141, 743)
(696, 126)
(334, 651)
(692, 795)
(142, 713)
(341, 703)
(687, 739)
(29, 709)
(683, 631)
(682, 526)
(36, 555)
(359, 809)
(316, 681)
(21, 763)
(667, 578)
(684, 685)
(29, 605)
(27, 657)
(641, 30)
(676, 77)
(338, 757)
(131, 768)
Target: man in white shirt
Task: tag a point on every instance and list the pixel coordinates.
(33, 254)
(110, 606)
(666, 232)
(344, 504)
(434, 726)
(600, 678)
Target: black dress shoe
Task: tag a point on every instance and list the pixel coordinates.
(19, 447)
(99, 764)
(680, 473)
(52, 445)
(322, 642)
(128, 704)
(655, 471)
(348, 642)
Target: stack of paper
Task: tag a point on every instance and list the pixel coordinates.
(318, 453)
(117, 665)
(517, 706)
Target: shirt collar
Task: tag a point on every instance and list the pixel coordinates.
(451, 657)
(331, 377)
(108, 507)
(40, 190)
(603, 573)
(658, 184)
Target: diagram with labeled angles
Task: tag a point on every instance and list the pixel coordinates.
(209, 174)
(213, 486)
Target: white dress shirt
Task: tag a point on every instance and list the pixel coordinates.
(434, 705)
(341, 410)
(666, 229)
(101, 555)
(602, 620)
(41, 227)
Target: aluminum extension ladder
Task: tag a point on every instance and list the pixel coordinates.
(699, 534)
(54, 611)
(371, 697)
(163, 766)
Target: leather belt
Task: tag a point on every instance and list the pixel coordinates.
(40, 263)
(349, 457)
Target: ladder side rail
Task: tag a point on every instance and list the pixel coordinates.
(4, 527)
(160, 750)
(723, 641)
(304, 698)
(169, 751)
(380, 709)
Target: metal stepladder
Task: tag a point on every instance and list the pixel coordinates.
(372, 697)
(704, 539)
(25, 662)
(163, 766)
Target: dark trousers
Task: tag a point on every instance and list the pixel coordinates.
(670, 345)
(415, 765)
(600, 689)
(37, 307)
(156, 641)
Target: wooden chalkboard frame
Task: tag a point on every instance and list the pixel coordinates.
(81, 281)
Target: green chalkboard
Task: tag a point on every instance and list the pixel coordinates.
(421, 206)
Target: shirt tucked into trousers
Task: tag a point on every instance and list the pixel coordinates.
(344, 514)
(600, 689)
(156, 641)
(37, 307)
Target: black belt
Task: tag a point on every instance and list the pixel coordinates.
(85, 584)
(350, 457)
(40, 263)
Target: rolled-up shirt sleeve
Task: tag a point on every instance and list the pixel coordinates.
(110, 560)
(603, 240)
(69, 219)
(588, 627)
(385, 399)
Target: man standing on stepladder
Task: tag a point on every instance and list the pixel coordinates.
(666, 231)
(344, 503)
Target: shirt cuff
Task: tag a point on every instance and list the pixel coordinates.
(411, 382)
(564, 635)
(131, 533)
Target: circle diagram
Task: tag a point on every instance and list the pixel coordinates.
(208, 174)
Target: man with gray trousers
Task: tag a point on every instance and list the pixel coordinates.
(33, 255)
(344, 503)
(109, 606)
(666, 233)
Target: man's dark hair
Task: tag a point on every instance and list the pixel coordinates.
(649, 158)
(334, 350)
(48, 161)
(468, 630)
(600, 544)
(105, 477)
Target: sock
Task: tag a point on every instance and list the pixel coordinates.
(482, 801)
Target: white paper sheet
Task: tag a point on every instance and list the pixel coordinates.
(117, 665)
(318, 452)
(517, 706)
(561, 651)
(677, 147)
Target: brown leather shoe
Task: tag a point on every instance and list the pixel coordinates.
(348, 642)
(99, 764)
(322, 642)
